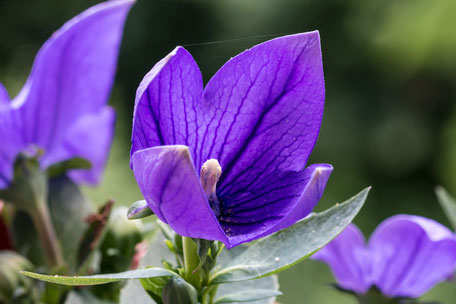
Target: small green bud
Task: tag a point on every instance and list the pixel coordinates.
(14, 287)
(138, 210)
(178, 291)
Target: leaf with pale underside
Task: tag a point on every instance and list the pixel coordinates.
(285, 248)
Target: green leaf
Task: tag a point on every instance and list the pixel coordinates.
(68, 208)
(62, 167)
(138, 210)
(248, 296)
(448, 204)
(154, 287)
(102, 278)
(287, 247)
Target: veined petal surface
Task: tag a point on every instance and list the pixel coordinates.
(168, 104)
(277, 204)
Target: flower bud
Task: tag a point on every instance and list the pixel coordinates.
(178, 291)
(139, 210)
(14, 287)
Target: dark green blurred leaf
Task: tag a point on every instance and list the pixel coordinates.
(248, 296)
(287, 247)
(101, 278)
(62, 167)
(15, 288)
(118, 245)
(68, 208)
(448, 204)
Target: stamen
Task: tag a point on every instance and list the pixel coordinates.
(210, 174)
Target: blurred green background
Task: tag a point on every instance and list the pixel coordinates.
(390, 116)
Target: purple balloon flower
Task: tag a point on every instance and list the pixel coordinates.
(405, 257)
(227, 162)
(62, 106)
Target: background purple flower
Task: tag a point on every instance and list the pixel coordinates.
(259, 117)
(405, 257)
(62, 107)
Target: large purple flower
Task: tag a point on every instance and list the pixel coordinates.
(405, 257)
(227, 162)
(62, 106)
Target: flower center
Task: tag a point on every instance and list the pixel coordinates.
(209, 176)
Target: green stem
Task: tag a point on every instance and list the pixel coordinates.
(46, 233)
(191, 261)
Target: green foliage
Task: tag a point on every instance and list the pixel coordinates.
(248, 296)
(285, 248)
(448, 204)
(150, 272)
(178, 291)
(15, 288)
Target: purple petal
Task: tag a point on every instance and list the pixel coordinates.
(259, 117)
(4, 98)
(8, 152)
(348, 259)
(168, 102)
(171, 187)
(411, 254)
(90, 138)
(72, 74)
(267, 106)
(274, 204)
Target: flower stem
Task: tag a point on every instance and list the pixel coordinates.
(191, 261)
(46, 233)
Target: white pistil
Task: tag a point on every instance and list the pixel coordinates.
(209, 176)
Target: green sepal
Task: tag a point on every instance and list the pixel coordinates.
(287, 247)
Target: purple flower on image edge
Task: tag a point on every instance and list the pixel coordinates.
(250, 131)
(405, 257)
(62, 106)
